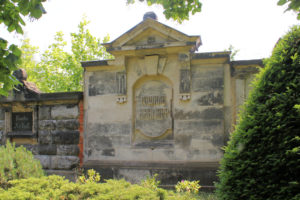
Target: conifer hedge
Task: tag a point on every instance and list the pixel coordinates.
(17, 163)
(262, 158)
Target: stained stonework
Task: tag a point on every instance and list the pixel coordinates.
(153, 104)
(157, 107)
(177, 111)
(55, 123)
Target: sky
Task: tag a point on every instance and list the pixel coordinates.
(251, 26)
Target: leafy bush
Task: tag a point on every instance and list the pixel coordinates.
(92, 177)
(261, 160)
(151, 182)
(56, 187)
(188, 186)
(17, 163)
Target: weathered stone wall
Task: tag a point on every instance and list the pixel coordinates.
(2, 124)
(58, 137)
(167, 135)
(56, 128)
(243, 73)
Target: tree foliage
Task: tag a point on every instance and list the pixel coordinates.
(60, 70)
(177, 10)
(11, 15)
(292, 5)
(261, 160)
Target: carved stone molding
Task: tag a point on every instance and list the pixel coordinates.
(185, 77)
(185, 97)
(121, 83)
(121, 99)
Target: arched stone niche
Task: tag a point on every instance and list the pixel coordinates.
(152, 112)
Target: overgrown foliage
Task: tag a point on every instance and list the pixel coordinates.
(177, 10)
(261, 160)
(188, 186)
(17, 163)
(91, 177)
(292, 5)
(11, 15)
(56, 187)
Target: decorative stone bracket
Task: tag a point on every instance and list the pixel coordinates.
(121, 87)
(121, 99)
(185, 97)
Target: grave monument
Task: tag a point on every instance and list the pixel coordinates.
(157, 107)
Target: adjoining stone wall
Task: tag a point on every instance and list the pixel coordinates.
(2, 124)
(58, 136)
(57, 140)
(243, 73)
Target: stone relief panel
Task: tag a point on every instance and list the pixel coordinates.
(153, 111)
(102, 83)
(185, 81)
(121, 83)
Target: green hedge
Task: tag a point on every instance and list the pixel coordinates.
(262, 158)
(57, 188)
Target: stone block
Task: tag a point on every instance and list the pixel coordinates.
(31, 147)
(64, 112)
(45, 161)
(101, 83)
(207, 84)
(69, 124)
(99, 142)
(207, 73)
(109, 129)
(108, 152)
(65, 137)
(49, 149)
(2, 124)
(68, 150)
(45, 137)
(210, 98)
(64, 162)
(133, 175)
(198, 127)
(2, 115)
(44, 112)
(46, 125)
(208, 113)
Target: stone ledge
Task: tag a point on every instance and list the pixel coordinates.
(248, 62)
(147, 164)
(169, 173)
(46, 97)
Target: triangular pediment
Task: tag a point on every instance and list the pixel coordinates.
(151, 34)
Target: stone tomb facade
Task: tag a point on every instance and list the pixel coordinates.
(157, 107)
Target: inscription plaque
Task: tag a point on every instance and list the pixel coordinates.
(153, 102)
(22, 121)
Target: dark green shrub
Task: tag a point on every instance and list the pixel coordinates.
(17, 163)
(261, 160)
